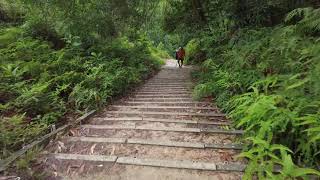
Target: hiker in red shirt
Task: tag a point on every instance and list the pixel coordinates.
(181, 53)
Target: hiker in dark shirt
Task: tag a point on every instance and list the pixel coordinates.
(180, 55)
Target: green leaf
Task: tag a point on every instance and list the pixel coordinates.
(298, 84)
(298, 172)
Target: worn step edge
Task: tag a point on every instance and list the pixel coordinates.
(97, 140)
(166, 143)
(220, 131)
(180, 164)
(166, 113)
(99, 158)
(165, 88)
(168, 102)
(166, 129)
(165, 121)
(163, 91)
(158, 89)
(141, 142)
(168, 79)
(164, 107)
(231, 167)
(161, 96)
(148, 120)
(155, 143)
(133, 127)
(168, 85)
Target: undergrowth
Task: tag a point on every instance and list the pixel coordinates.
(40, 85)
(267, 80)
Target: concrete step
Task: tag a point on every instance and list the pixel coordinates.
(146, 108)
(165, 88)
(168, 103)
(168, 129)
(163, 114)
(158, 135)
(166, 91)
(162, 99)
(178, 121)
(163, 124)
(169, 84)
(179, 164)
(155, 143)
(164, 107)
(161, 96)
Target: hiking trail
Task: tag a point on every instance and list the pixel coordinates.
(158, 132)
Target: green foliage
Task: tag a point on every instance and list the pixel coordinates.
(44, 84)
(266, 79)
(266, 156)
(16, 132)
(9, 35)
(306, 20)
(194, 51)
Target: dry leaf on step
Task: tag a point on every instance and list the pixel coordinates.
(72, 132)
(81, 169)
(8, 177)
(113, 149)
(61, 144)
(92, 148)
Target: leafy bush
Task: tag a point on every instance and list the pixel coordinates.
(44, 84)
(16, 132)
(267, 81)
(9, 35)
(194, 52)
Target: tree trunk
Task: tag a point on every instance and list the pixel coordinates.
(198, 11)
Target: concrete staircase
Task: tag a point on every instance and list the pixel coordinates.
(158, 132)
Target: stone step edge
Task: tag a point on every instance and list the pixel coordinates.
(178, 164)
(155, 143)
(164, 92)
(166, 129)
(161, 96)
(166, 113)
(169, 93)
(168, 85)
(164, 107)
(164, 121)
(168, 102)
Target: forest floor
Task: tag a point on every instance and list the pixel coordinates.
(157, 132)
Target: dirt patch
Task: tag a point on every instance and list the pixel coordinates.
(130, 172)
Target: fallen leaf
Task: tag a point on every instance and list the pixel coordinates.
(54, 167)
(81, 169)
(92, 148)
(226, 157)
(113, 150)
(72, 132)
(59, 150)
(9, 177)
(61, 144)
